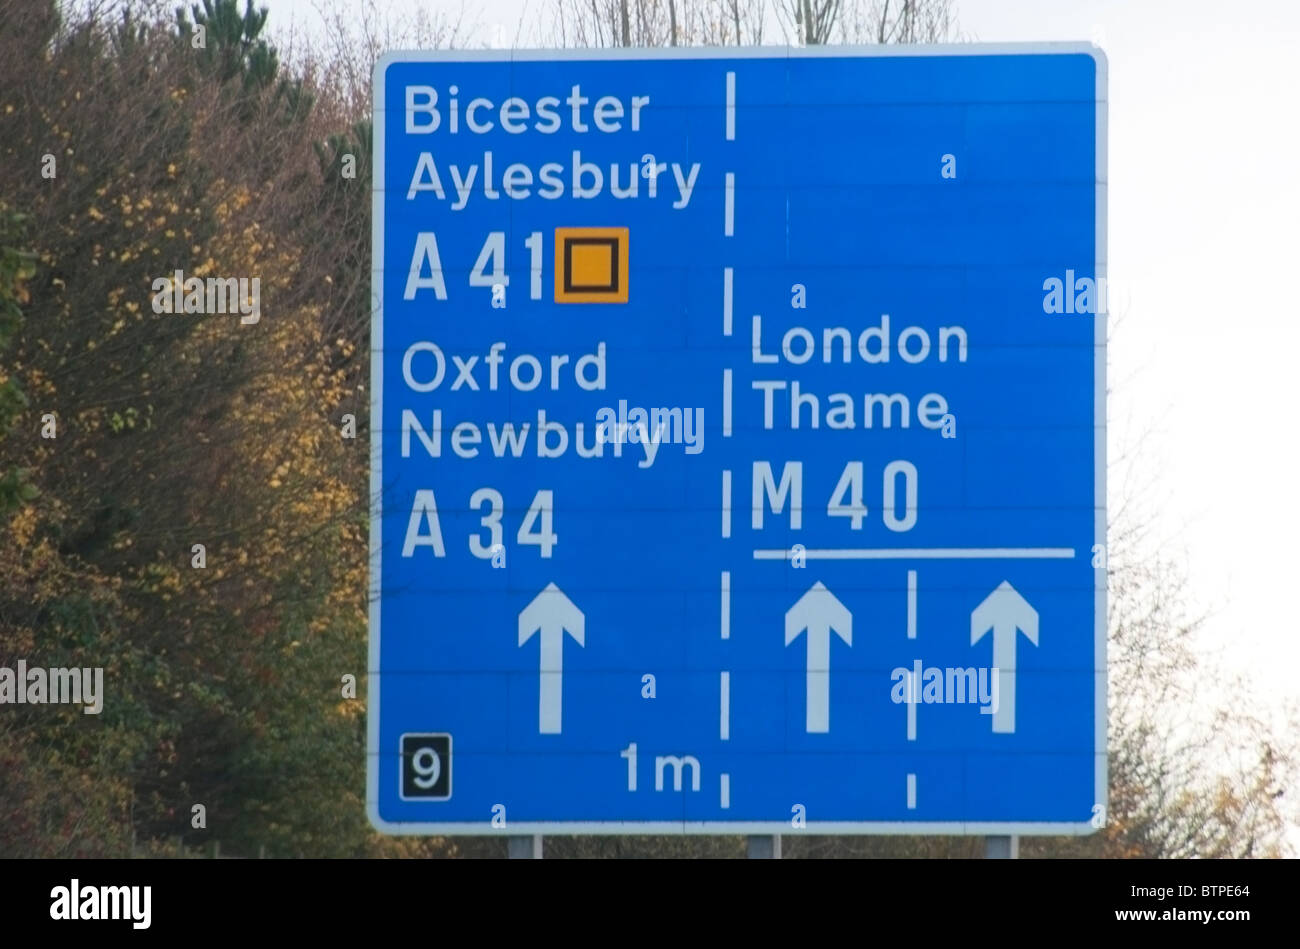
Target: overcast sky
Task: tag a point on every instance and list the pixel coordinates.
(1204, 205)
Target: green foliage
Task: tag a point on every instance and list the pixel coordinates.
(358, 142)
(173, 430)
(16, 267)
(232, 47)
(295, 100)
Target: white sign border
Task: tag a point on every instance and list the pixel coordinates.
(484, 827)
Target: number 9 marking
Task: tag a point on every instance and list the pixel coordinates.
(427, 766)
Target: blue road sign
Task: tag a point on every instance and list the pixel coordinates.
(738, 433)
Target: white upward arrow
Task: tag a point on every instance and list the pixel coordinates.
(1004, 611)
(818, 611)
(551, 612)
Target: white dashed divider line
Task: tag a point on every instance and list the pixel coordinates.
(726, 504)
(911, 792)
(729, 211)
(911, 604)
(731, 106)
(724, 720)
(728, 229)
(726, 604)
(913, 696)
(913, 692)
(726, 300)
(726, 403)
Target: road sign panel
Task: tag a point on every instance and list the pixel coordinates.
(738, 434)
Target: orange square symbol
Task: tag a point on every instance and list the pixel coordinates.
(591, 264)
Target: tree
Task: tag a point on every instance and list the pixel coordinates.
(898, 21)
(16, 268)
(176, 429)
(358, 33)
(630, 23)
(613, 23)
(232, 46)
(820, 22)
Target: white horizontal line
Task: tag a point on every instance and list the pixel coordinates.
(925, 553)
